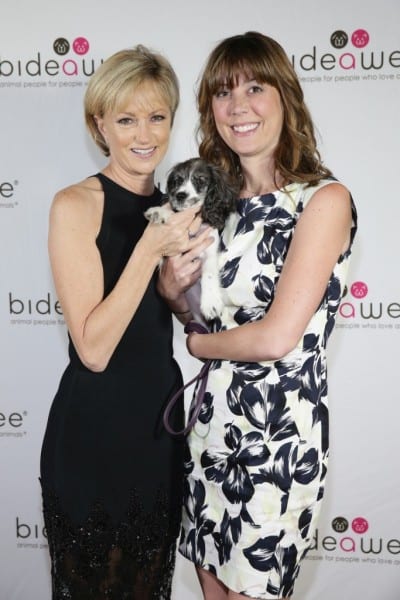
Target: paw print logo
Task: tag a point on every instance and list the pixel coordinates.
(360, 38)
(359, 289)
(340, 524)
(359, 525)
(61, 46)
(80, 45)
(339, 39)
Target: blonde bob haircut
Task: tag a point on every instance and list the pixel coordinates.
(259, 57)
(118, 77)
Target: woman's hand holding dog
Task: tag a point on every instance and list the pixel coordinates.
(173, 237)
(178, 273)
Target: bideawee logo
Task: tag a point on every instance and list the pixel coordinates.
(30, 535)
(43, 310)
(7, 193)
(354, 542)
(13, 424)
(359, 311)
(64, 63)
(350, 57)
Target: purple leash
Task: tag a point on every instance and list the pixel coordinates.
(197, 401)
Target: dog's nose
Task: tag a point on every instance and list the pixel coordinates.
(181, 196)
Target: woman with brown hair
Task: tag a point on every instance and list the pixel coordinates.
(257, 456)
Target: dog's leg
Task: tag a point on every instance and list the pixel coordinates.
(158, 214)
(211, 304)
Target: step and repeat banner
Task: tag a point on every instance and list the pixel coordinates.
(347, 56)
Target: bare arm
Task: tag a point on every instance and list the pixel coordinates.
(96, 325)
(321, 235)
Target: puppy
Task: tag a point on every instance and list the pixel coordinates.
(195, 181)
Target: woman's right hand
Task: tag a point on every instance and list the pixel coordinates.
(97, 322)
(175, 236)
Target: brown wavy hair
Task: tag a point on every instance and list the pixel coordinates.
(261, 58)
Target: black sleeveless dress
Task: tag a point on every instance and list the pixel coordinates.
(110, 474)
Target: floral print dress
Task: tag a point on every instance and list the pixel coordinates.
(256, 459)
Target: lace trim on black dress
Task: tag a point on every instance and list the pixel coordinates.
(99, 560)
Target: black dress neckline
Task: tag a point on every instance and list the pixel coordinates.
(112, 182)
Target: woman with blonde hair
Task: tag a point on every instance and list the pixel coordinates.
(111, 476)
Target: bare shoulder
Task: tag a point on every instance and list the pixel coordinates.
(78, 201)
(328, 216)
(82, 192)
(330, 203)
(332, 195)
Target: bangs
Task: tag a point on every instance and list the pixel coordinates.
(144, 91)
(240, 59)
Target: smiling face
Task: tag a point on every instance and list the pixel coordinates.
(249, 117)
(137, 132)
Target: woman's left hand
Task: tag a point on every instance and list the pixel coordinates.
(179, 273)
(189, 342)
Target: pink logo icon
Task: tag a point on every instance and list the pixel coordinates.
(80, 45)
(359, 289)
(360, 38)
(359, 525)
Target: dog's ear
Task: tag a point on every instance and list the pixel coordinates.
(221, 197)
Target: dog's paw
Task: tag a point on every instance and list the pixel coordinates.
(211, 305)
(157, 214)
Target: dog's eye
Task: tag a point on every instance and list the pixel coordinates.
(178, 180)
(200, 180)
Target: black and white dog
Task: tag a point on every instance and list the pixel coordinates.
(195, 181)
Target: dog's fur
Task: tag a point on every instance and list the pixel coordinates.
(195, 181)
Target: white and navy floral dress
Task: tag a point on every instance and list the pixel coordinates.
(256, 460)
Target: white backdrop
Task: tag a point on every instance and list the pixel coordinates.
(348, 58)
